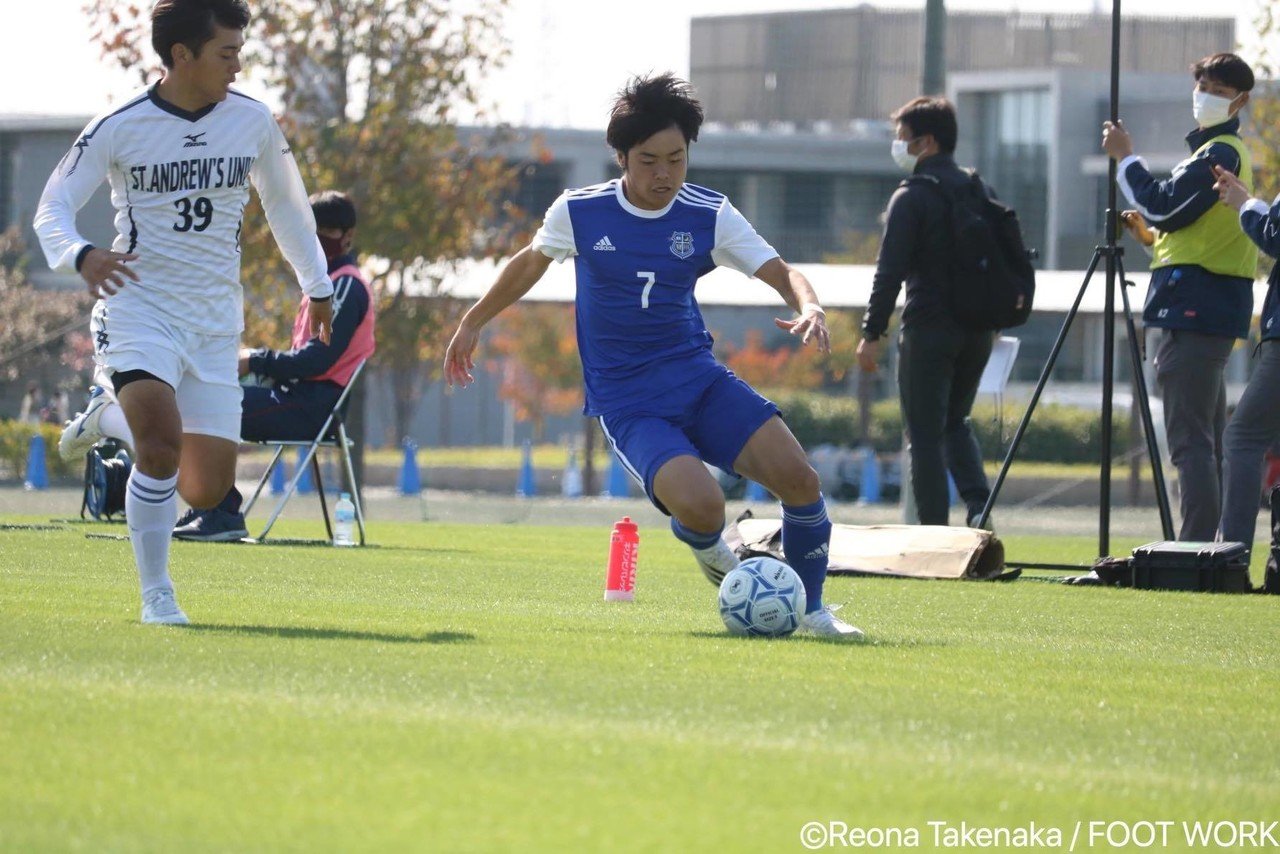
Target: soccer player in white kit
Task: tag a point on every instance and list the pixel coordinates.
(179, 158)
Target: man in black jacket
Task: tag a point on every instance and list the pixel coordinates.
(940, 363)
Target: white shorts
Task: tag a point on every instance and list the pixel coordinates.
(202, 369)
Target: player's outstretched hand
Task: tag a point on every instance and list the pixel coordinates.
(458, 363)
(104, 271)
(1231, 190)
(812, 323)
(320, 320)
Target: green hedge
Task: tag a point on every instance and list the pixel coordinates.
(15, 444)
(1061, 434)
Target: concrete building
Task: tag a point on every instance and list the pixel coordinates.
(834, 65)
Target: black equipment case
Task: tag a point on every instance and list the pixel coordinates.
(1210, 567)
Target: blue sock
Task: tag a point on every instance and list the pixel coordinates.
(806, 536)
(231, 501)
(692, 538)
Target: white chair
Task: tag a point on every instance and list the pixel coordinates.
(332, 435)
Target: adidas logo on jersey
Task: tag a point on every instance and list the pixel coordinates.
(604, 244)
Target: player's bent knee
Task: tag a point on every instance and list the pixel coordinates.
(798, 485)
(157, 458)
(703, 512)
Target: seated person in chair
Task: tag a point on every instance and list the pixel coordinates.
(305, 381)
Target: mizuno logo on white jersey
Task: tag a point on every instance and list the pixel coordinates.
(194, 141)
(604, 244)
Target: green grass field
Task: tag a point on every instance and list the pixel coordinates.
(465, 688)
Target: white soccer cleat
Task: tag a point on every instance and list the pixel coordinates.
(716, 562)
(84, 431)
(824, 623)
(160, 608)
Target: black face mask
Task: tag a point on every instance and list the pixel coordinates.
(332, 246)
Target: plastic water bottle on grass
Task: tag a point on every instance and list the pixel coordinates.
(344, 517)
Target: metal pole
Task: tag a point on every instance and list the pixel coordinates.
(1109, 311)
(934, 78)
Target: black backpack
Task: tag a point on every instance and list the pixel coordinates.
(992, 282)
(106, 476)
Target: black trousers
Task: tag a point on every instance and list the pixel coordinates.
(939, 368)
(293, 413)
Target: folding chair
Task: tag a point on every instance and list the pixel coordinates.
(332, 435)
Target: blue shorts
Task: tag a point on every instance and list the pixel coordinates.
(710, 420)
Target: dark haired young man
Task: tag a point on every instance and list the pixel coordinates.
(1202, 269)
(640, 243)
(940, 363)
(179, 158)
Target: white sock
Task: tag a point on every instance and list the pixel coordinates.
(114, 426)
(151, 508)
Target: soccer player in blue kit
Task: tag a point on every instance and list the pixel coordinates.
(640, 243)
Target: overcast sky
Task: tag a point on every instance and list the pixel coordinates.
(568, 56)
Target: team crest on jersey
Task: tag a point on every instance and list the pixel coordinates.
(681, 244)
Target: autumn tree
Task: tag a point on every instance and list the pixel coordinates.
(787, 366)
(538, 360)
(41, 329)
(372, 94)
(1264, 108)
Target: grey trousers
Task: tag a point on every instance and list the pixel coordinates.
(1254, 427)
(1189, 368)
(939, 367)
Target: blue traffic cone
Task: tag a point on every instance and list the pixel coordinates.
(526, 486)
(278, 476)
(37, 470)
(619, 485)
(755, 492)
(869, 476)
(410, 478)
(306, 484)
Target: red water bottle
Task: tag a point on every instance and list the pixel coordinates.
(624, 547)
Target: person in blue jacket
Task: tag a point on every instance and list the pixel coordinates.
(1255, 424)
(1202, 270)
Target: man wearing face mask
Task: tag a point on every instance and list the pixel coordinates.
(306, 380)
(940, 362)
(1201, 293)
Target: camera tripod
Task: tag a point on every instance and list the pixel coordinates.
(1112, 255)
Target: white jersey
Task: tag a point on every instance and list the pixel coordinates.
(179, 183)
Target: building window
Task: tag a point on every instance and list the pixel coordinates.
(1012, 154)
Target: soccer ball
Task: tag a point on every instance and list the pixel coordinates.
(762, 597)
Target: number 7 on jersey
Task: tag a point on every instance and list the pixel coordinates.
(648, 286)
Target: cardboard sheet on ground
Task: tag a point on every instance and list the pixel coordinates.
(907, 551)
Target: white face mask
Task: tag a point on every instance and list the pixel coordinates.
(1210, 110)
(906, 162)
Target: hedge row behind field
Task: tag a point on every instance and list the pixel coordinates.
(15, 445)
(1061, 434)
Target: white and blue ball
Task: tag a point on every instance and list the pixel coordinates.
(762, 597)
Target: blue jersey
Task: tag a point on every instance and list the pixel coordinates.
(640, 333)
